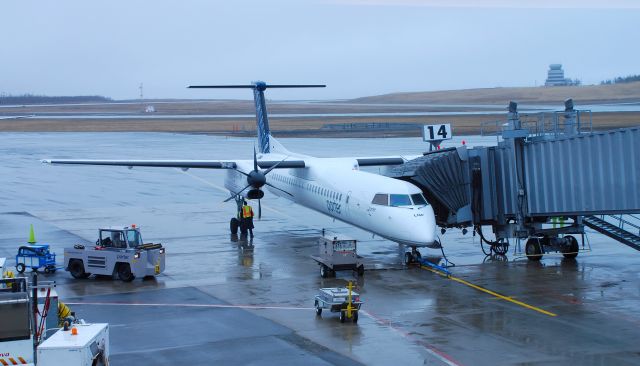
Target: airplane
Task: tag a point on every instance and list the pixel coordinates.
(387, 207)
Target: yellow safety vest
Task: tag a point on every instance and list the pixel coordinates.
(247, 211)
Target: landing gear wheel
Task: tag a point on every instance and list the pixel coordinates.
(324, 271)
(76, 268)
(501, 247)
(361, 270)
(533, 249)
(234, 224)
(355, 317)
(417, 257)
(20, 267)
(408, 258)
(571, 250)
(124, 272)
(343, 316)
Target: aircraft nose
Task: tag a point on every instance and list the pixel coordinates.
(424, 225)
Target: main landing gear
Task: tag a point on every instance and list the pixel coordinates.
(411, 257)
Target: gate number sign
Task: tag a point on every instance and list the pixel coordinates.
(437, 132)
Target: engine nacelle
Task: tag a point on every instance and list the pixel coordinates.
(255, 194)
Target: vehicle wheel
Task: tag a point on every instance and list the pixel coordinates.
(234, 225)
(324, 271)
(361, 270)
(533, 249)
(318, 309)
(343, 316)
(124, 272)
(20, 267)
(76, 268)
(47, 270)
(408, 258)
(355, 317)
(571, 250)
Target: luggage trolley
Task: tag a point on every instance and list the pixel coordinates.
(35, 257)
(337, 253)
(339, 299)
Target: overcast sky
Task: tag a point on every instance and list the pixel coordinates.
(356, 47)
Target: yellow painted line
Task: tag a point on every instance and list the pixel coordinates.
(492, 293)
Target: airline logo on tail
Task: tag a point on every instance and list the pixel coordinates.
(262, 119)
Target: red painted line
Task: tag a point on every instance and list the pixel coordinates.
(431, 349)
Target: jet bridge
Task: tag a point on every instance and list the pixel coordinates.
(544, 169)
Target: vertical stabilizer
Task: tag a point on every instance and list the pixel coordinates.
(262, 119)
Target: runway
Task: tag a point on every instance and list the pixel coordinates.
(222, 301)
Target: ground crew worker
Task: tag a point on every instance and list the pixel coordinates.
(247, 217)
(64, 314)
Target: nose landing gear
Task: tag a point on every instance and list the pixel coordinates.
(411, 257)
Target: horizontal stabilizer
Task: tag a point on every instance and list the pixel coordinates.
(258, 85)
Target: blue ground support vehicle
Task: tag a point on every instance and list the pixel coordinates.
(36, 257)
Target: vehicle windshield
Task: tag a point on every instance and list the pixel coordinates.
(399, 200)
(133, 238)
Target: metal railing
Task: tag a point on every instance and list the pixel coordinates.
(552, 124)
(630, 223)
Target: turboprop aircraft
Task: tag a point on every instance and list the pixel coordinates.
(387, 207)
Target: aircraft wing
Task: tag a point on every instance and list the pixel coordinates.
(384, 160)
(183, 164)
(16, 117)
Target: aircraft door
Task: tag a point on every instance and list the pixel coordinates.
(347, 203)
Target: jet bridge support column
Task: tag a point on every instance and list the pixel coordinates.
(514, 138)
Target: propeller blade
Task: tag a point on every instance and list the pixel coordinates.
(236, 194)
(259, 210)
(274, 166)
(241, 172)
(255, 159)
(281, 190)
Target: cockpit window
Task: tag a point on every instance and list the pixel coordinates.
(381, 199)
(400, 200)
(418, 199)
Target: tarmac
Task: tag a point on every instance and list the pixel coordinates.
(223, 300)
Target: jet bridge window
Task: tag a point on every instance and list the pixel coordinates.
(381, 199)
(398, 200)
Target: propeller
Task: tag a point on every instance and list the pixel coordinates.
(256, 179)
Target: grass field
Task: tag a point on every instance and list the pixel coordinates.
(456, 101)
(462, 125)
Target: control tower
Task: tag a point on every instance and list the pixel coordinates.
(555, 76)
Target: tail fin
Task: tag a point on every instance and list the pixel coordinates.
(262, 119)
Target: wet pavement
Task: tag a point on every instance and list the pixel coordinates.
(223, 300)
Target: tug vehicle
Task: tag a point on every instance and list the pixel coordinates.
(118, 251)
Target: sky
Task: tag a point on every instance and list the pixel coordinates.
(356, 47)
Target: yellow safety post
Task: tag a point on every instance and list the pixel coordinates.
(349, 307)
(32, 236)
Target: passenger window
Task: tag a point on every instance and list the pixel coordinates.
(418, 199)
(381, 199)
(398, 200)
